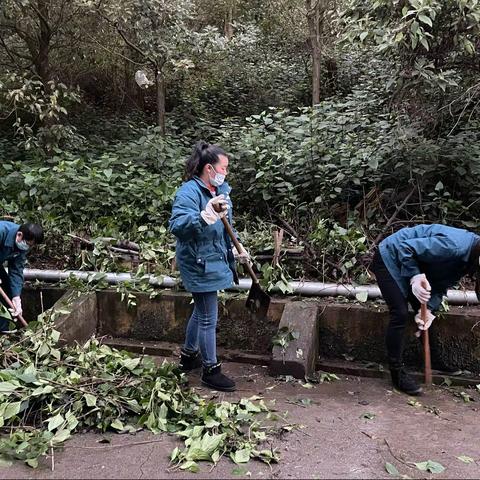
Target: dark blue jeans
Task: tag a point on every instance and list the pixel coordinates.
(201, 328)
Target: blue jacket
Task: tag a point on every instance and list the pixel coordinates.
(16, 258)
(440, 252)
(204, 252)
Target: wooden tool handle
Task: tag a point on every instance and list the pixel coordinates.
(239, 248)
(423, 312)
(10, 304)
(218, 208)
(426, 347)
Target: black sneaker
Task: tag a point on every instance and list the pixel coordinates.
(189, 360)
(404, 382)
(213, 378)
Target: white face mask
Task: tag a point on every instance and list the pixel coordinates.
(217, 180)
(22, 245)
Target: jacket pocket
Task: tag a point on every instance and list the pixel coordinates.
(212, 263)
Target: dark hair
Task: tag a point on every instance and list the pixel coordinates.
(204, 153)
(32, 231)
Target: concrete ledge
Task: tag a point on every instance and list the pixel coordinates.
(358, 331)
(164, 318)
(80, 323)
(361, 370)
(299, 356)
(345, 330)
(168, 349)
(358, 369)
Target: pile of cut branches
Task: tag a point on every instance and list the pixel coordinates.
(47, 393)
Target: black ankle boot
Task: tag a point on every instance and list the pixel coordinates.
(189, 360)
(403, 381)
(213, 378)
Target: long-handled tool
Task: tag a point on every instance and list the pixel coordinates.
(257, 301)
(426, 347)
(10, 304)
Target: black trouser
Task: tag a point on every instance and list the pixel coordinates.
(7, 289)
(398, 306)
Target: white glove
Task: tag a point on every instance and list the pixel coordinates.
(17, 303)
(210, 215)
(420, 287)
(241, 257)
(421, 325)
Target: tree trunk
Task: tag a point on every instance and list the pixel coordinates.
(315, 21)
(316, 71)
(228, 28)
(42, 60)
(160, 84)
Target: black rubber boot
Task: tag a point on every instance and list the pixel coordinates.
(213, 378)
(189, 360)
(402, 380)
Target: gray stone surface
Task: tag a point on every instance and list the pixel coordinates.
(299, 356)
(80, 323)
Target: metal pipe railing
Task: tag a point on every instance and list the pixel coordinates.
(307, 288)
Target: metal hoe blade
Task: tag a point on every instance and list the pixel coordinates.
(258, 301)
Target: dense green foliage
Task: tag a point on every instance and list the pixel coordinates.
(394, 140)
(87, 150)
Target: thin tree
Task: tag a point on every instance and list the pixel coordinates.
(316, 11)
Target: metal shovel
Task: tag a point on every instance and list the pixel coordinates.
(258, 301)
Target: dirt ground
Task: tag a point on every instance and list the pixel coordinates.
(348, 429)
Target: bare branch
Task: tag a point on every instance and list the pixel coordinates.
(41, 15)
(114, 53)
(393, 217)
(59, 20)
(7, 50)
(8, 115)
(126, 39)
(133, 46)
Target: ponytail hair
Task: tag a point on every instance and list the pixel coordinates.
(204, 153)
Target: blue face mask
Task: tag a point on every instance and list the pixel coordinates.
(22, 245)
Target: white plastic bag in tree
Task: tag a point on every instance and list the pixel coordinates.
(142, 80)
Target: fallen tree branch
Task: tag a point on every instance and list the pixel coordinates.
(408, 464)
(392, 218)
(131, 444)
(120, 246)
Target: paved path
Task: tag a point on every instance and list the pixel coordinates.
(335, 441)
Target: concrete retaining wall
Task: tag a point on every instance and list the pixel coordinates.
(78, 318)
(165, 317)
(348, 329)
(358, 331)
